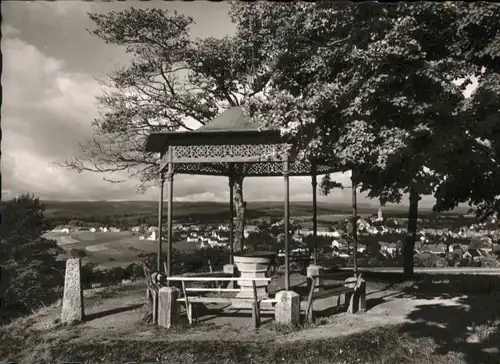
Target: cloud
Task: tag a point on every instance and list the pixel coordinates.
(46, 112)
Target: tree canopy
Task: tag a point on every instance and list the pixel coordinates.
(373, 88)
(172, 82)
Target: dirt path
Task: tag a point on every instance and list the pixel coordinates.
(119, 314)
(385, 308)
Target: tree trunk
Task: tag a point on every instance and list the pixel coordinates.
(411, 235)
(240, 212)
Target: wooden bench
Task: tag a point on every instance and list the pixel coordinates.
(330, 290)
(192, 301)
(155, 280)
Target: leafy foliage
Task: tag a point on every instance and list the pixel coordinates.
(31, 274)
(370, 87)
(261, 241)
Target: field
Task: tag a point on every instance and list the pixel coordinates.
(110, 250)
(210, 211)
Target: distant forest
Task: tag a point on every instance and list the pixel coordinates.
(132, 213)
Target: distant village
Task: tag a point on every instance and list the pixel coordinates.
(470, 242)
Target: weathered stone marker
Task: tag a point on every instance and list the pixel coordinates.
(72, 306)
(168, 307)
(287, 309)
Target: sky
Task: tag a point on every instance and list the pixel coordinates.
(50, 66)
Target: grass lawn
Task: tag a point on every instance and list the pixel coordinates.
(381, 345)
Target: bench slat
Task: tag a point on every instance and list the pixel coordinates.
(202, 299)
(221, 279)
(213, 290)
(332, 275)
(333, 292)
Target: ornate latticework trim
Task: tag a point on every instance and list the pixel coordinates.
(237, 153)
(242, 159)
(251, 169)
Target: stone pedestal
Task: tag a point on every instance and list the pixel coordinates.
(72, 305)
(287, 309)
(252, 267)
(168, 307)
(356, 300)
(314, 270)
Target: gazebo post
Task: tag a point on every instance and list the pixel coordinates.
(354, 222)
(286, 221)
(314, 183)
(160, 222)
(170, 179)
(231, 219)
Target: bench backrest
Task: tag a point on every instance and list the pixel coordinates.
(215, 279)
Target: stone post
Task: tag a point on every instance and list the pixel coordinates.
(314, 270)
(357, 300)
(72, 305)
(287, 309)
(168, 307)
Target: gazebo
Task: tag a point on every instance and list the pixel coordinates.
(231, 144)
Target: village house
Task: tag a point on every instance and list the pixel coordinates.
(372, 230)
(362, 224)
(177, 227)
(103, 229)
(61, 229)
(153, 235)
(223, 227)
(341, 253)
(339, 243)
(136, 229)
(250, 229)
(305, 232)
(435, 249)
(114, 230)
(389, 249)
(204, 245)
(195, 227)
(327, 233)
(222, 235)
(474, 254)
(93, 230)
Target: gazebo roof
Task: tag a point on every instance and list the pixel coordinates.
(231, 126)
(229, 121)
(230, 143)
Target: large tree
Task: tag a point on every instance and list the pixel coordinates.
(172, 82)
(370, 86)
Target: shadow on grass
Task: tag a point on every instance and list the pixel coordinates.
(470, 325)
(110, 312)
(207, 314)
